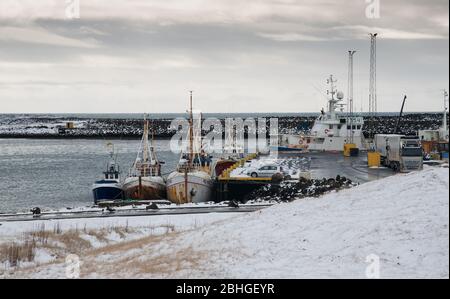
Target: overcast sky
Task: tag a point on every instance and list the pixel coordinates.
(237, 56)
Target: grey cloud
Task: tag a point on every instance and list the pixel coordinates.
(146, 55)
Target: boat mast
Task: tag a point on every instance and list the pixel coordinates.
(113, 158)
(111, 149)
(189, 166)
(191, 133)
(145, 140)
(332, 102)
(153, 158)
(350, 95)
(444, 120)
(152, 142)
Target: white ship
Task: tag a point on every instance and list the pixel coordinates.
(144, 181)
(331, 130)
(192, 181)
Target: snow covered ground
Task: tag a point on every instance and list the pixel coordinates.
(397, 227)
(58, 238)
(35, 126)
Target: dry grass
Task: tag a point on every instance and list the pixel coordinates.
(60, 243)
(72, 241)
(100, 235)
(125, 246)
(152, 256)
(55, 241)
(15, 253)
(167, 264)
(140, 264)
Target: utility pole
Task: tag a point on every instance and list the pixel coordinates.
(350, 93)
(444, 120)
(373, 105)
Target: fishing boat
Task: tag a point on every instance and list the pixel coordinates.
(109, 188)
(191, 182)
(144, 181)
(331, 130)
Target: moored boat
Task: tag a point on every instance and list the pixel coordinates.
(144, 181)
(192, 181)
(196, 184)
(331, 130)
(109, 188)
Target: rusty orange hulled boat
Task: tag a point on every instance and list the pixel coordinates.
(144, 181)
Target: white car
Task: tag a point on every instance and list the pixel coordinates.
(267, 171)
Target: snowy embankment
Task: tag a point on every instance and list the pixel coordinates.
(402, 220)
(28, 244)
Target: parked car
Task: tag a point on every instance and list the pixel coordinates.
(267, 171)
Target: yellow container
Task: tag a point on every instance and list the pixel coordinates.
(373, 159)
(347, 148)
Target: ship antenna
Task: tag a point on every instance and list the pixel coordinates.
(331, 91)
(111, 152)
(331, 102)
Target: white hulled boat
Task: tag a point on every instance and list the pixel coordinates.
(331, 130)
(192, 181)
(144, 181)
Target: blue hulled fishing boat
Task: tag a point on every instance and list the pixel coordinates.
(109, 188)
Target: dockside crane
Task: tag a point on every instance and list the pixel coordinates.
(397, 126)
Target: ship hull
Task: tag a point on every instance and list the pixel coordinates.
(303, 144)
(199, 187)
(148, 188)
(331, 144)
(287, 149)
(108, 191)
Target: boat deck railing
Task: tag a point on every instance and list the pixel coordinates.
(226, 174)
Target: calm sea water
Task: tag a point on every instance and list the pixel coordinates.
(59, 173)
